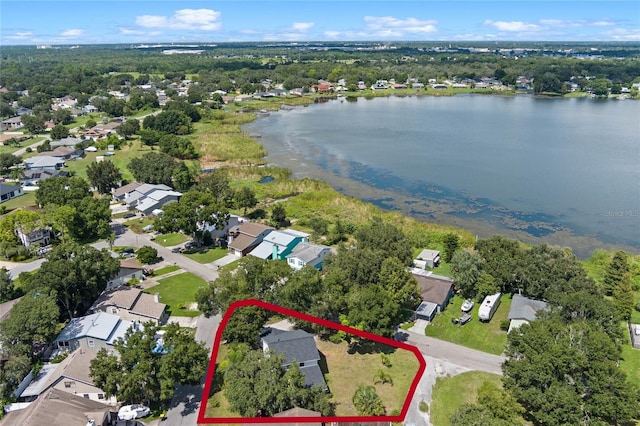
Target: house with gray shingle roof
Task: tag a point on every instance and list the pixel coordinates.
(307, 253)
(8, 192)
(523, 310)
(297, 346)
(44, 162)
(244, 238)
(131, 304)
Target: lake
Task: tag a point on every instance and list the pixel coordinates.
(563, 171)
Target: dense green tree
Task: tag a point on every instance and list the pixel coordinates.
(217, 185)
(77, 274)
(399, 283)
(62, 116)
(245, 198)
(487, 285)
(380, 235)
(177, 146)
(6, 286)
(33, 323)
(616, 270)
(371, 309)
(190, 213)
(466, 267)
(278, 215)
(149, 137)
(58, 132)
(451, 244)
(8, 160)
(140, 374)
(172, 121)
(367, 402)
(33, 124)
(128, 128)
(566, 373)
(104, 176)
(501, 259)
(245, 325)
(147, 255)
(153, 167)
(623, 299)
(257, 385)
(61, 190)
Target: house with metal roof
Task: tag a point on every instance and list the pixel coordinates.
(99, 330)
(306, 253)
(523, 310)
(278, 244)
(297, 346)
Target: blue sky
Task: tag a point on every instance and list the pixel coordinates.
(116, 21)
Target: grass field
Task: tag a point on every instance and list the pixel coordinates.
(165, 270)
(178, 292)
(486, 337)
(168, 240)
(449, 393)
(120, 159)
(630, 362)
(28, 199)
(348, 371)
(207, 256)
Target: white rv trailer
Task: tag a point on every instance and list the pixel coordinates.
(489, 306)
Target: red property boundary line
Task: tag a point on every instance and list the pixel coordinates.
(202, 419)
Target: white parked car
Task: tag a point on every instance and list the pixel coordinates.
(134, 411)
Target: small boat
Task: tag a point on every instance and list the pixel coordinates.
(467, 305)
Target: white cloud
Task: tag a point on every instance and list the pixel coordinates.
(513, 26)
(72, 33)
(129, 31)
(21, 35)
(183, 19)
(623, 34)
(389, 24)
(302, 26)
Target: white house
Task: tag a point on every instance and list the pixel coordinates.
(306, 253)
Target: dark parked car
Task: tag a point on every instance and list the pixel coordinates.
(176, 250)
(129, 215)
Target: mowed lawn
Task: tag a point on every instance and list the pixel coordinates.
(168, 240)
(348, 371)
(486, 337)
(630, 362)
(178, 292)
(449, 393)
(207, 255)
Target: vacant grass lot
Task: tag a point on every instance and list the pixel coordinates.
(449, 393)
(486, 337)
(348, 371)
(179, 292)
(207, 255)
(173, 239)
(120, 159)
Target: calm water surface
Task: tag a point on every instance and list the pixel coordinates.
(548, 169)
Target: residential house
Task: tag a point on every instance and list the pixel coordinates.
(11, 123)
(278, 244)
(44, 162)
(56, 407)
(131, 304)
(295, 412)
(434, 288)
(417, 85)
(306, 253)
(71, 375)
(68, 141)
(222, 231)
(523, 310)
(427, 259)
(88, 109)
(134, 197)
(120, 194)
(399, 86)
(130, 269)
(244, 238)
(33, 176)
(297, 346)
(41, 236)
(155, 200)
(64, 152)
(7, 192)
(321, 88)
(426, 311)
(23, 110)
(98, 330)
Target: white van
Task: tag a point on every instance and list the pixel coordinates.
(489, 306)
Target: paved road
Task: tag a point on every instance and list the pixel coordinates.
(21, 151)
(16, 268)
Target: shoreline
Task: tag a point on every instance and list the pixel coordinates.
(521, 226)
